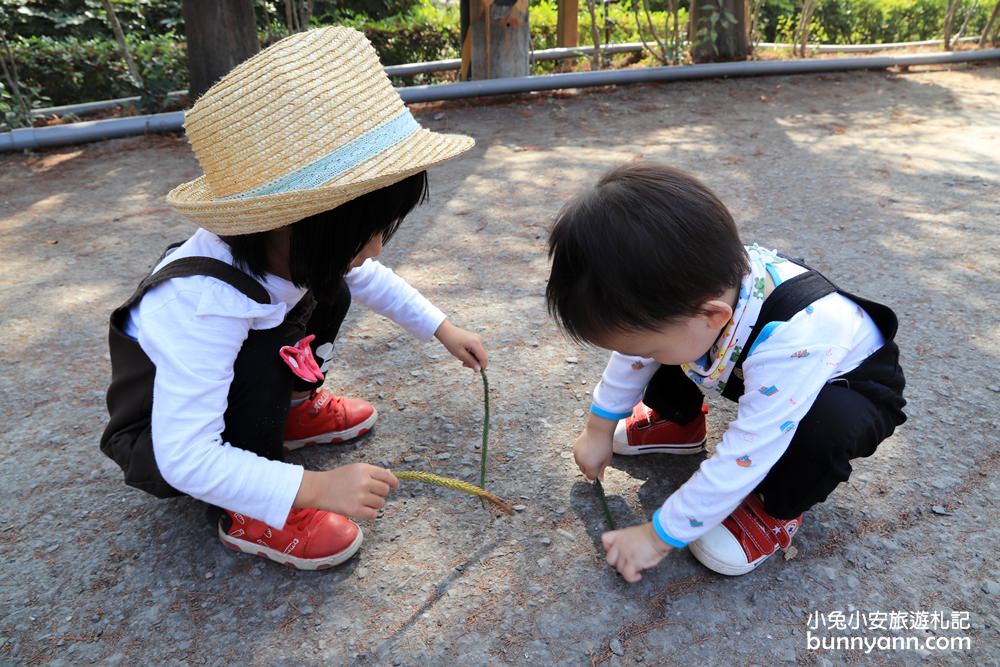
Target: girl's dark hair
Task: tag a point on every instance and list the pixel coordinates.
(646, 247)
(323, 245)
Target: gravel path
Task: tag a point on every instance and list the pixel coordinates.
(887, 182)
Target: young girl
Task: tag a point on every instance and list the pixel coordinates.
(311, 163)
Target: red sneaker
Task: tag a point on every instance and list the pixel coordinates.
(326, 419)
(310, 540)
(744, 539)
(646, 432)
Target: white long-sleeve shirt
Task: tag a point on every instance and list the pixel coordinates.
(786, 368)
(192, 329)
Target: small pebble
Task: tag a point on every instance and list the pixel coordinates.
(565, 533)
(544, 563)
(940, 509)
(572, 360)
(411, 458)
(616, 646)
(546, 541)
(444, 456)
(520, 508)
(991, 587)
(209, 575)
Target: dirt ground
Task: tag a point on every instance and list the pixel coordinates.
(888, 182)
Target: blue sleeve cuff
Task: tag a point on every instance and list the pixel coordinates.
(664, 535)
(613, 416)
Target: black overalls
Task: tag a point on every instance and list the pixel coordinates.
(852, 414)
(259, 396)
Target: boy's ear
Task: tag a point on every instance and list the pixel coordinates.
(717, 312)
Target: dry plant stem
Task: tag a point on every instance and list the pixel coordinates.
(610, 520)
(455, 485)
(486, 429)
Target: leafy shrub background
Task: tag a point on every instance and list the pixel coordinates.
(66, 53)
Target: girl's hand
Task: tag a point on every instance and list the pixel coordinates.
(357, 490)
(634, 549)
(593, 448)
(464, 345)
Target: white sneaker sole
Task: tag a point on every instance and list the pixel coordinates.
(334, 437)
(622, 447)
(291, 561)
(715, 564)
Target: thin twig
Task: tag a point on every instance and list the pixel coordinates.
(610, 520)
(486, 428)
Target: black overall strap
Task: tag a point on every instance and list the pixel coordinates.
(781, 305)
(201, 266)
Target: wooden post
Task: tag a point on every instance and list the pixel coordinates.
(220, 35)
(727, 21)
(567, 23)
(466, 40)
(498, 38)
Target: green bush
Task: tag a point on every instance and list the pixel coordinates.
(74, 70)
(427, 31)
(87, 19)
(870, 21)
(74, 57)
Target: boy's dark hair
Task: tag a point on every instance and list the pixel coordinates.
(645, 247)
(323, 245)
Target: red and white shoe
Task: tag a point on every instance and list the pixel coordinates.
(310, 540)
(646, 432)
(744, 539)
(327, 419)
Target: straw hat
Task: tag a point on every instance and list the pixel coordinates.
(303, 126)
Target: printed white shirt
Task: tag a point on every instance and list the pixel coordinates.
(783, 373)
(192, 329)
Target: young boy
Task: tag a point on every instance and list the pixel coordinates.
(649, 264)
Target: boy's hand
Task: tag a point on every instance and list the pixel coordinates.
(357, 490)
(593, 449)
(464, 345)
(634, 549)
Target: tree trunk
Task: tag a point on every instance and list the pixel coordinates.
(988, 28)
(220, 35)
(718, 30)
(949, 19)
(498, 38)
(596, 62)
(116, 27)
